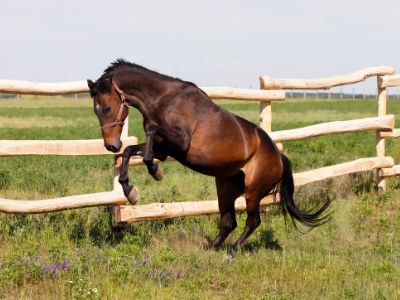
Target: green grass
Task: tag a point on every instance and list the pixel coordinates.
(75, 254)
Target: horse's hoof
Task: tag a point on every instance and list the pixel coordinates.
(133, 196)
(158, 175)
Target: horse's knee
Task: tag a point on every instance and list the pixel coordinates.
(127, 153)
(228, 223)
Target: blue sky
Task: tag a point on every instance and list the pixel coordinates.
(212, 43)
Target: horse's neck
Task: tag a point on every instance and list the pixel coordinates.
(143, 92)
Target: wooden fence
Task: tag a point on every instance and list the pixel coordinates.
(271, 89)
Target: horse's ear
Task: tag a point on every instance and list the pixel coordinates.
(91, 85)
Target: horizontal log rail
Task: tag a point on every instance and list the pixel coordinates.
(58, 147)
(62, 88)
(41, 88)
(355, 166)
(375, 123)
(324, 83)
(387, 172)
(163, 211)
(58, 204)
(389, 81)
(243, 94)
(395, 133)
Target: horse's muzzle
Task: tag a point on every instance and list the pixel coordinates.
(112, 148)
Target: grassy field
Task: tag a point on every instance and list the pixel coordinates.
(76, 255)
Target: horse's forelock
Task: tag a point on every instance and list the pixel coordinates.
(102, 85)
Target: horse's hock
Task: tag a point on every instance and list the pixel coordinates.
(271, 89)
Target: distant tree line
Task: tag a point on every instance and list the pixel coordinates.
(335, 95)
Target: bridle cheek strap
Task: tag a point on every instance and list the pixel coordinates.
(123, 104)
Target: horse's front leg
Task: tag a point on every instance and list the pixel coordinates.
(129, 191)
(148, 155)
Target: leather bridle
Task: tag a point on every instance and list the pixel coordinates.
(123, 104)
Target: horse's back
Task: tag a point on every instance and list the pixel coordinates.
(221, 141)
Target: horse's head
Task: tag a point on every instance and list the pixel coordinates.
(109, 106)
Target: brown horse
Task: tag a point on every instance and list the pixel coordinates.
(181, 121)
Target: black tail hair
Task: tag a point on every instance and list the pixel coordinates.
(311, 218)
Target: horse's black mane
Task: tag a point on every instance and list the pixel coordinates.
(103, 84)
(122, 64)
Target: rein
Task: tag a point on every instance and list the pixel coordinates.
(123, 104)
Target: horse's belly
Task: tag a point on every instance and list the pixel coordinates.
(221, 146)
(214, 164)
(225, 170)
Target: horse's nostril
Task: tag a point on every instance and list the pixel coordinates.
(111, 148)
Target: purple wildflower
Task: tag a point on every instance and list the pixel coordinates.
(46, 269)
(145, 261)
(152, 273)
(65, 264)
(54, 270)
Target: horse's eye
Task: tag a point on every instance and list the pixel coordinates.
(106, 109)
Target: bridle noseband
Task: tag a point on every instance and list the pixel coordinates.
(123, 104)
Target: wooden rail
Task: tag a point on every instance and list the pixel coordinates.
(325, 83)
(58, 204)
(39, 88)
(389, 81)
(63, 88)
(388, 172)
(375, 123)
(58, 147)
(395, 133)
(163, 211)
(243, 94)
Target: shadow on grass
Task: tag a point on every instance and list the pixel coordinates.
(265, 239)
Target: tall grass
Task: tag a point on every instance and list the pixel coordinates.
(76, 254)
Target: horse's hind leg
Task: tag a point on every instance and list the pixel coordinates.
(228, 189)
(260, 180)
(253, 217)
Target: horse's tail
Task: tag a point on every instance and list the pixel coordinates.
(312, 217)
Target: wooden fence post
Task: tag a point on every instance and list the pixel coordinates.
(266, 115)
(380, 141)
(265, 111)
